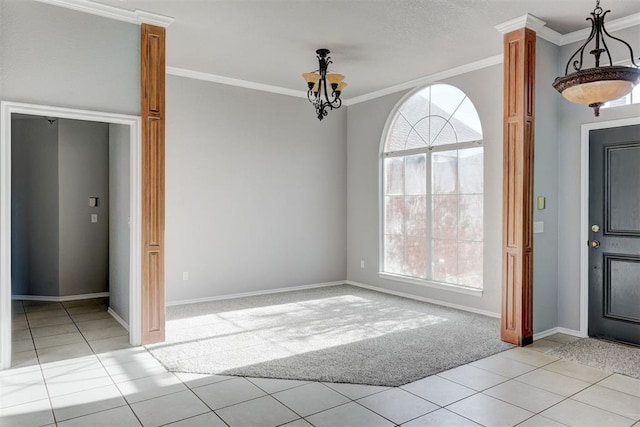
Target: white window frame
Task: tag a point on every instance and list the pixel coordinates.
(403, 153)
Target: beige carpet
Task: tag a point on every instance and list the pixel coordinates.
(607, 355)
(338, 334)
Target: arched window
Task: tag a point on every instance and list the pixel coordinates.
(432, 189)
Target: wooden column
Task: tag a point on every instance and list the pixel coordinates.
(517, 236)
(153, 117)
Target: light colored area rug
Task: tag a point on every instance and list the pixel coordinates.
(607, 355)
(338, 334)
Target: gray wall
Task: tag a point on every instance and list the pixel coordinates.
(545, 245)
(571, 117)
(34, 207)
(56, 56)
(255, 191)
(119, 211)
(365, 127)
(83, 156)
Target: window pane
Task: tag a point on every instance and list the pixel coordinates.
(445, 217)
(416, 216)
(398, 134)
(470, 264)
(416, 257)
(416, 140)
(445, 259)
(393, 175)
(446, 98)
(394, 214)
(467, 123)
(394, 254)
(416, 174)
(433, 201)
(439, 131)
(470, 217)
(470, 170)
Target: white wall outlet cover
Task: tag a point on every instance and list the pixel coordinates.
(94, 218)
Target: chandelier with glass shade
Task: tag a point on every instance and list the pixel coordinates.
(602, 83)
(324, 88)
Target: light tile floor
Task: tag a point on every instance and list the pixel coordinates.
(73, 367)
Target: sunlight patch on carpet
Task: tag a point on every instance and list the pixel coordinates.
(339, 334)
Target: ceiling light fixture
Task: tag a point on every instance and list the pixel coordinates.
(320, 82)
(600, 84)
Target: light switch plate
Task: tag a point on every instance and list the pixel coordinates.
(538, 227)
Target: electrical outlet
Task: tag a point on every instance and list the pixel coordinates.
(361, 263)
(94, 218)
(185, 275)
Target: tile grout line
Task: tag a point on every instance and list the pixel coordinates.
(44, 379)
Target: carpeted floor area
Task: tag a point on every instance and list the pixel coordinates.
(606, 355)
(337, 334)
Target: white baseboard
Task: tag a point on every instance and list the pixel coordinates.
(118, 318)
(250, 294)
(557, 330)
(423, 299)
(60, 299)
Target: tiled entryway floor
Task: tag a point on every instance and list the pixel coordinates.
(94, 381)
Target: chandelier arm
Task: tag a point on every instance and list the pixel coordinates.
(578, 65)
(624, 43)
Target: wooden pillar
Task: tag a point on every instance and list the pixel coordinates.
(517, 236)
(153, 118)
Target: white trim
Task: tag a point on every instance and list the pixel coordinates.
(584, 211)
(423, 299)
(431, 284)
(131, 16)
(60, 299)
(135, 267)
(255, 293)
(119, 319)
(422, 81)
(199, 75)
(557, 330)
(550, 35)
(524, 21)
(463, 69)
(544, 32)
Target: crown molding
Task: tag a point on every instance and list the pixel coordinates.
(199, 75)
(544, 32)
(524, 21)
(131, 16)
(463, 69)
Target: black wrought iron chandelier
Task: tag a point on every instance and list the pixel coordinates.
(600, 84)
(320, 82)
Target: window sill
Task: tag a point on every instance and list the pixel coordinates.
(431, 284)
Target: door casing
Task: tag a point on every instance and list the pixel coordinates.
(584, 212)
(135, 241)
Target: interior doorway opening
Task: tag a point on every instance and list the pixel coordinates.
(122, 127)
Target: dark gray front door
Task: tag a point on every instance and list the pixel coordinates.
(614, 231)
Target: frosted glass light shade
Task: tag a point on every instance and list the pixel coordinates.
(341, 86)
(311, 77)
(603, 91)
(334, 78)
(597, 85)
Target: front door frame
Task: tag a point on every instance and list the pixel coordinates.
(584, 212)
(135, 241)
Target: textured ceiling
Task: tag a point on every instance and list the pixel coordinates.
(377, 44)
